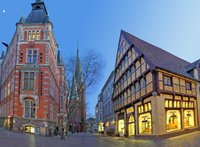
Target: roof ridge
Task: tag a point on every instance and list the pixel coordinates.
(158, 56)
(155, 46)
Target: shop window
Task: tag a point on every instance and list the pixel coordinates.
(173, 120)
(131, 126)
(121, 126)
(188, 118)
(29, 129)
(145, 123)
(167, 81)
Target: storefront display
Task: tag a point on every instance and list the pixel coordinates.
(121, 126)
(145, 123)
(131, 126)
(173, 120)
(188, 118)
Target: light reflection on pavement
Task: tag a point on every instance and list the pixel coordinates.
(11, 139)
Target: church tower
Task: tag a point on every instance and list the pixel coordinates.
(78, 118)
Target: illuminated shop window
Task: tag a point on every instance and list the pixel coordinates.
(145, 123)
(173, 120)
(121, 125)
(188, 118)
(145, 119)
(29, 129)
(131, 126)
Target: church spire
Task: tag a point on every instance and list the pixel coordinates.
(78, 71)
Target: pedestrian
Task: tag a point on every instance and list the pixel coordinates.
(62, 134)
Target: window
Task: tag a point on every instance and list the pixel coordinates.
(29, 108)
(32, 56)
(41, 57)
(188, 86)
(145, 118)
(167, 81)
(132, 89)
(131, 126)
(142, 83)
(21, 57)
(173, 120)
(51, 88)
(137, 86)
(37, 35)
(128, 73)
(188, 118)
(133, 69)
(8, 88)
(29, 80)
(29, 35)
(172, 104)
(51, 112)
(33, 35)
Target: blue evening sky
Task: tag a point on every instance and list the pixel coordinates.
(173, 25)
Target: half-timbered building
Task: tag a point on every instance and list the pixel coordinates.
(155, 92)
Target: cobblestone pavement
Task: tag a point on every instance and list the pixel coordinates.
(10, 139)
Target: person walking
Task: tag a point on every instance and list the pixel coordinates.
(62, 134)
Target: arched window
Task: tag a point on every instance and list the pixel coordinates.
(131, 119)
(33, 35)
(37, 35)
(131, 126)
(29, 35)
(29, 108)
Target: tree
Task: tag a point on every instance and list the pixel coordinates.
(82, 75)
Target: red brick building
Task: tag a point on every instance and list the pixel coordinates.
(33, 82)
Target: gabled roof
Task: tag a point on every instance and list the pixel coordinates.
(193, 65)
(158, 57)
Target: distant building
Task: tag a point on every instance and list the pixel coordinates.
(99, 113)
(108, 107)
(33, 83)
(77, 120)
(91, 125)
(155, 92)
